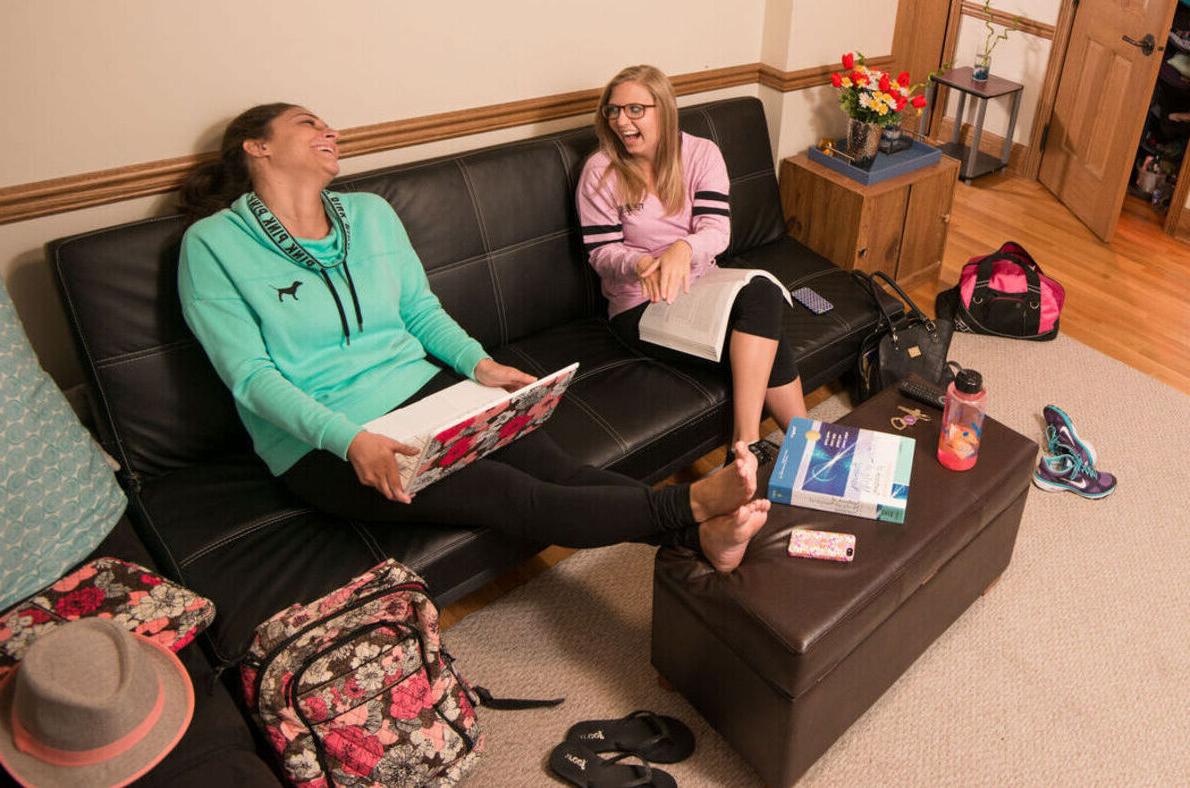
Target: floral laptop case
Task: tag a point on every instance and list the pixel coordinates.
(472, 432)
(139, 599)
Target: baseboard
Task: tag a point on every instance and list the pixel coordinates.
(989, 143)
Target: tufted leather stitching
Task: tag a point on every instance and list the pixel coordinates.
(579, 402)
(690, 420)
(369, 540)
(244, 530)
(487, 245)
(139, 355)
(590, 291)
(121, 449)
(427, 558)
(642, 357)
(529, 243)
(711, 127)
(753, 176)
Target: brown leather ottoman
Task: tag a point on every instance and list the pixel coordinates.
(782, 655)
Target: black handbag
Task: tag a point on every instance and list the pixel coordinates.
(911, 343)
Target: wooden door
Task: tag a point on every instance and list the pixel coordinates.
(919, 36)
(1103, 95)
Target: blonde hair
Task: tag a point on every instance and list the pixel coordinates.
(667, 169)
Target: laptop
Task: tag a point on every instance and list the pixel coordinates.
(467, 421)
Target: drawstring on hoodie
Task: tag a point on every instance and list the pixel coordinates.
(292, 248)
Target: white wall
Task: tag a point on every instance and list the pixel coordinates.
(89, 86)
(1022, 58)
(818, 33)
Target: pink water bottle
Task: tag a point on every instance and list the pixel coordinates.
(962, 421)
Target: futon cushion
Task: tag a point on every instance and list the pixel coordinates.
(58, 497)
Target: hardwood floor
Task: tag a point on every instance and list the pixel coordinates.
(1129, 299)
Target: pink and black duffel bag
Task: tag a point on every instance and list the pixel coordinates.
(1004, 294)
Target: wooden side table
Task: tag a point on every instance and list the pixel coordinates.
(976, 162)
(897, 226)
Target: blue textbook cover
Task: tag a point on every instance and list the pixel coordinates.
(843, 469)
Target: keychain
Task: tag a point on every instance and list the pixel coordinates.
(911, 417)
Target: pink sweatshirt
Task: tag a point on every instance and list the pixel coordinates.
(615, 239)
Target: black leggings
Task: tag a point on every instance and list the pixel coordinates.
(530, 489)
(758, 310)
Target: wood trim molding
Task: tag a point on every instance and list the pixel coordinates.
(1049, 88)
(996, 16)
(789, 81)
(43, 198)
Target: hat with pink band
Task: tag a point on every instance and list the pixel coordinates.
(92, 704)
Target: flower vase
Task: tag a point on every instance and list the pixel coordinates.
(863, 141)
(982, 67)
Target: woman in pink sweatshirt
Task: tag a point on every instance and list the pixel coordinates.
(654, 208)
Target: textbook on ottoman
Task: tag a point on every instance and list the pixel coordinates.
(843, 469)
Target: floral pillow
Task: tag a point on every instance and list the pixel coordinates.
(127, 593)
(58, 497)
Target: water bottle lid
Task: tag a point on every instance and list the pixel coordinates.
(968, 381)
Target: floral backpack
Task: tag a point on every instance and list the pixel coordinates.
(356, 689)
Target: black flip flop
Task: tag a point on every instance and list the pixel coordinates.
(654, 737)
(578, 765)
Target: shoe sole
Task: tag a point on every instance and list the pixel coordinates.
(1048, 486)
(1085, 445)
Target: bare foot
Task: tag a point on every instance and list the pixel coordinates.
(727, 488)
(724, 539)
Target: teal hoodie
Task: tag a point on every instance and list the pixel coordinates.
(311, 343)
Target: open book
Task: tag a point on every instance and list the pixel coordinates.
(696, 322)
(460, 424)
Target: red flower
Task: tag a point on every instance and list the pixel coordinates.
(919, 101)
(79, 602)
(901, 102)
(903, 79)
(351, 746)
(837, 80)
(36, 615)
(858, 78)
(885, 84)
(849, 61)
(410, 697)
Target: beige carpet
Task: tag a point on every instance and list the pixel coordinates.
(1073, 670)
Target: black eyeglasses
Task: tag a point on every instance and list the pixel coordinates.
(633, 111)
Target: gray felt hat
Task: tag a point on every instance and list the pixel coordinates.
(92, 704)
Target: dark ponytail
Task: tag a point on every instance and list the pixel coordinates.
(216, 185)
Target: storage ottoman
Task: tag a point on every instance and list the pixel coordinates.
(782, 655)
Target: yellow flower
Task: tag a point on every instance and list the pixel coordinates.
(882, 109)
(846, 82)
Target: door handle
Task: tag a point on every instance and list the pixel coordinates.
(1146, 44)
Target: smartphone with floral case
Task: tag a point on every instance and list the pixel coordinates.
(825, 545)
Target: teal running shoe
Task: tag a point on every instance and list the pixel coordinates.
(1061, 438)
(1068, 473)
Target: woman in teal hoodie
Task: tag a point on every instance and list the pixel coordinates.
(316, 312)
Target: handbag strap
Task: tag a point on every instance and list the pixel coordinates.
(911, 308)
